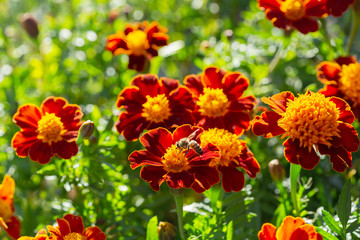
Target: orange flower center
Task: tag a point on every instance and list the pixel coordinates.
(75, 236)
(313, 119)
(229, 145)
(175, 160)
(349, 83)
(213, 103)
(50, 128)
(156, 109)
(5, 211)
(293, 9)
(137, 42)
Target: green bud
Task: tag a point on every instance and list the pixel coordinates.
(86, 129)
(277, 172)
(166, 231)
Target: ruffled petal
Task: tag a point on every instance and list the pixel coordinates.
(278, 101)
(40, 152)
(7, 189)
(94, 233)
(348, 138)
(337, 8)
(205, 177)
(143, 158)
(232, 179)
(185, 131)
(64, 149)
(148, 84)
(157, 141)
(22, 141)
(316, 8)
(137, 62)
(64, 226)
(212, 77)
(248, 162)
(168, 85)
(210, 151)
(300, 155)
(288, 226)
(53, 105)
(181, 100)
(346, 115)
(345, 60)
(278, 18)
(131, 125)
(155, 176)
(27, 117)
(330, 91)
(339, 157)
(131, 100)
(267, 232)
(76, 223)
(266, 125)
(242, 104)
(193, 82)
(269, 4)
(14, 227)
(306, 25)
(328, 73)
(234, 84)
(71, 116)
(236, 122)
(182, 179)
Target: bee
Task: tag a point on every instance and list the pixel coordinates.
(187, 143)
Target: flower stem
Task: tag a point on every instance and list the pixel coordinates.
(294, 176)
(179, 201)
(354, 29)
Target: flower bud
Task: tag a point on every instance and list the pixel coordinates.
(86, 129)
(166, 231)
(30, 25)
(277, 172)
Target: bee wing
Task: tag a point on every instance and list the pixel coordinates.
(192, 135)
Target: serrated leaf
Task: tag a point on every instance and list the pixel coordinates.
(151, 232)
(330, 221)
(230, 231)
(326, 235)
(344, 204)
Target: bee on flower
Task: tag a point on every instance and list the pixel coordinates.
(140, 41)
(312, 123)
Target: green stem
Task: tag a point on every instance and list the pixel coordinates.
(179, 201)
(354, 30)
(294, 176)
(283, 195)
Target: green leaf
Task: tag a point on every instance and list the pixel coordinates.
(155, 65)
(326, 235)
(353, 226)
(330, 221)
(214, 195)
(151, 232)
(344, 204)
(230, 231)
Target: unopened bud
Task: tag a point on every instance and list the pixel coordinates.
(166, 231)
(86, 129)
(277, 172)
(30, 25)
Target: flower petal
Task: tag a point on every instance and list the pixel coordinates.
(278, 101)
(182, 179)
(330, 90)
(234, 84)
(306, 25)
(27, 117)
(94, 233)
(193, 82)
(267, 232)
(300, 155)
(337, 8)
(348, 138)
(155, 176)
(346, 115)
(316, 8)
(245, 103)
(76, 223)
(339, 157)
(328, 72)
(205, 177)
(136, 62)
(64, 149)
(22, 141)
(157, 141)
(236, 122)
(345, 60)
(288, 226)
(143, 158)
(130, 99)
(248, 162)
(212, 77)
(64, 226)
(148, 84)
(232, 179)
(40, 152)
(53, 105)
(71, 116)
(266, 125)
(14, 227)
(131, 125)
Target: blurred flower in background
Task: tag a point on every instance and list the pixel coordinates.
(41, 235)
(337, 8)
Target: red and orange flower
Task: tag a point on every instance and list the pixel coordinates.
(163, 161)
(313, 123)
(47, 131)
(72, 227)
(8, 221)
(290, 229)
(337, 8)
(234, 154)
(150, 103)
(140, 41)
(41, 235)
(220, 101)
(299, 14)
(342, 79)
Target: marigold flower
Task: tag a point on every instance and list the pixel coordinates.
(180, 168)
(290, 229)
(8, 221)
(299, 14)
(47, 131)
(71, 227)
(140, 41)
(342, 79)
(150, 103)
(41, 235)
(220, 101)
(234, 154)
(337, 8)
(310, 120)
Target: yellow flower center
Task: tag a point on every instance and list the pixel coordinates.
(137, 42)
(50, 128)
(349, 83)
(229, 145)
(174, 160)
(293, 9)
(213, 103)
(313, 119)
(75, 236)
(156, 109)
(5, 210)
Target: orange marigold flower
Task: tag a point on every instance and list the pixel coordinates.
(290, 229)
(234, 154)
(312, 122)
(71, 227)
(47, 131)
(337, 8)
(8, 221)
(150, 103)
(140, 41)
(299, 14)
(163, 161)
(342, 79)
(41, 235)
(220, 101)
